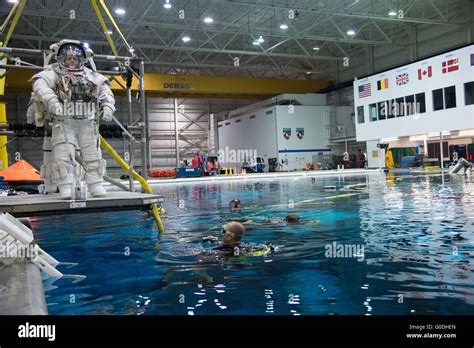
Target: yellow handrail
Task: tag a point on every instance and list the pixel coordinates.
(124, 165)
(104, 26)
(14, 22)
(12, 11)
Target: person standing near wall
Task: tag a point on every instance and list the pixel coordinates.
(198, 162)
(359, 159)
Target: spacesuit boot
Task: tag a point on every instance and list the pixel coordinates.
(97, 190)
(65, 191)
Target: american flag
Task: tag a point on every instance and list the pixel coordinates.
(365, 90)
(403, 79)
(450, 65)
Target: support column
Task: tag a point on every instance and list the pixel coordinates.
(145, 134)
(370, 60)
(441, 150)
(176, 131)
(470, 25)
(131, 150)
(413, 42)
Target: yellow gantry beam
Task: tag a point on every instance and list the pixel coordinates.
(194, 86)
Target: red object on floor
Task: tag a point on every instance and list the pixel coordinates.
(21, 171)
(162, 173)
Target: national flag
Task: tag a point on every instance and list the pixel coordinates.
(365, 90)
(382, 84)
(403, 79)
(425, 73)
(451, 65)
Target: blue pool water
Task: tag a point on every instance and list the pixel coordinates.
(417, 235)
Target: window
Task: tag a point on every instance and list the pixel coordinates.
(438, 103)
(238, 121)
(450, 97)
(420, 103)
(382, 111)
(373, 112)
(252, 117)
(410, 104)
(391, 108)
(469, 93)
(400, 107)
(360, 115)
(434, 150)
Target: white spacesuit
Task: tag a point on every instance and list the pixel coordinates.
(34, 115)
(74, 97)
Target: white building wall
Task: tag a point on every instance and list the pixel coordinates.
(299, 152)
(375, 156)
(453, 119)
(252, 132)
(263, 131)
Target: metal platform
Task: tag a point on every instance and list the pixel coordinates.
(36, 205)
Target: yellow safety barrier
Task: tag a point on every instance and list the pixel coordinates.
(3, 120)
(154, 209)
(17, 10)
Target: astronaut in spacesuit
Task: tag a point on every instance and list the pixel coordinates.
(76, 98)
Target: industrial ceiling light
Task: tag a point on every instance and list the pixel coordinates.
(186, 39)
(255, 43)
(208, 20)
(167, 5)
(120, 11)
(260, 39)
(351, 32)
(110, 32)
(316, 48)
(392, 13)
(12, 1)
(284, 26)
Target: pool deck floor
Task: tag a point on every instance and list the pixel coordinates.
(257, 176)
(36, 205)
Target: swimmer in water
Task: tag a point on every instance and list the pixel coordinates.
(292, 218)
(234, 204)
(231, 242)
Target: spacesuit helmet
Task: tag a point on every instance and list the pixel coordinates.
(71, 56)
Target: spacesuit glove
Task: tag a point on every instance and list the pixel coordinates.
(55, 108)
(107, 114)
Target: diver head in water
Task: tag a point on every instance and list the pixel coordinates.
(231, 246)
(233, 233)
(234, 204)
(292, 218)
